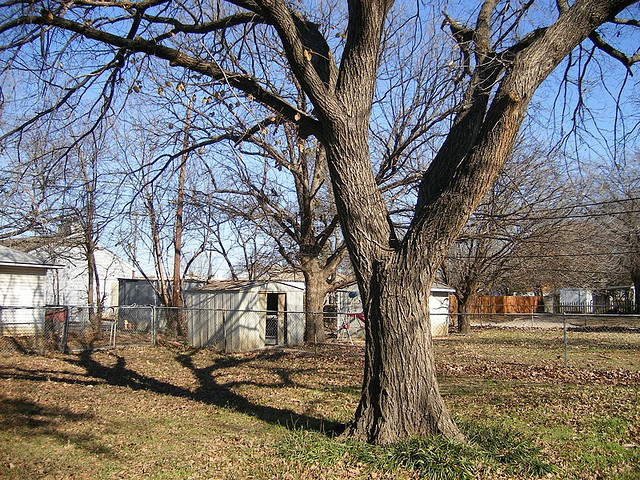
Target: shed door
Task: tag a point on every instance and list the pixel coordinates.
(275, 328)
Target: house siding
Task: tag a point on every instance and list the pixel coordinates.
(21, 287)
(69, 285)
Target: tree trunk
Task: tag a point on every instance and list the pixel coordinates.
(94, 319)
(177, 316)
(466, 304)
(316, 290)
(162, 290)
(400, 396)
(464, 319)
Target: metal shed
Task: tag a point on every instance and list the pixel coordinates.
(241, 316)
(350, 305)
(138, 294)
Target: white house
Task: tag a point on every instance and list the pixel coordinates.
(613, 299)
(70, 285)
(23, 285)
(245, 315)
(350, 306)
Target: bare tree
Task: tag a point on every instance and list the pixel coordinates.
(158, 215)
(496, 246)
(84, 210)
(616, 211)
(75, 203)
(504, 60)
(30, 193)
(295, 211)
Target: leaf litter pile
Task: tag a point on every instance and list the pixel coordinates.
(172, 412)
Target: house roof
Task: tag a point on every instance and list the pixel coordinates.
(55, 250)
(10, 257)
(29, 244)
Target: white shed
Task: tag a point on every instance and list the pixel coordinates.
(576, 300)
(22, 292)
(245, 315)
(350, 305)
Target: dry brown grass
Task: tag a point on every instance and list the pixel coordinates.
(170, 412)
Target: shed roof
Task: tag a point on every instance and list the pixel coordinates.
(10, 257)
(441, 287)
(241, 285)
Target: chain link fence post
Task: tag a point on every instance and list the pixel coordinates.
(566, 343)
(154, 325)
(315, 337)
(225, 319)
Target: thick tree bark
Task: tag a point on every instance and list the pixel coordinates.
(400, 396)
(316, 289)
(465, 311)
(400, 391)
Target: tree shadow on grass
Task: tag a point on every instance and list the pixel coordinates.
(30, 419)
(209, 390)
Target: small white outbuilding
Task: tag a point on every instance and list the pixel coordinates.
(22, 292)
(240, 316)
(350, 307)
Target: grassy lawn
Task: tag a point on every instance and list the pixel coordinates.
(169, 412)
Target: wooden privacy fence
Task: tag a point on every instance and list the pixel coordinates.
(507, 304)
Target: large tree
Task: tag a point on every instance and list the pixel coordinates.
(504, 60)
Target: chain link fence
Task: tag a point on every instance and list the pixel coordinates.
(75, 328)
(567, 339)
(570, 337)
(244, 330)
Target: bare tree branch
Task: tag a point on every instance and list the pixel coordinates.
(614, 52)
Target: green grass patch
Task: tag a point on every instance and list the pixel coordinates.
(492, 450)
